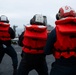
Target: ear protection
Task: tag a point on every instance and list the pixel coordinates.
(57, 16)
(31, 21)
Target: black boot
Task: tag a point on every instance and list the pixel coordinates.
(15, 72)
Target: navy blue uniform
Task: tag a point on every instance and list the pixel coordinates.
(9, 49)
(31, 61)
(61, 66)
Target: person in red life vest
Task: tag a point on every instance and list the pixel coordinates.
(32, 41)
(6, 34)
(61, 42)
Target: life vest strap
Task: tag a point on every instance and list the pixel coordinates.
(30, 48)
(64, 54)
(4, 36)
(68, 50)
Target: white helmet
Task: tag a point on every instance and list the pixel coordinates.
(3, 18)
(38, 19)
(66, 11)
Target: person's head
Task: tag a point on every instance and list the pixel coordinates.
(4, 18)
(39, 19)
(64, 12)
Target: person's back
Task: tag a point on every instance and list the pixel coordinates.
(62, 43)
(34, 34)
(6, 32)
(33, 42)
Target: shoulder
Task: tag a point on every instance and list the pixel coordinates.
(53, 32)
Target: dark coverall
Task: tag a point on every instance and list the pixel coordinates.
(9, 49)
(61, 66)
(1, 52)
(32, 61)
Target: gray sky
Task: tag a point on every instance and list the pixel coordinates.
(20, 12)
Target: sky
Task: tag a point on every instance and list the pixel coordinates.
(19, 12)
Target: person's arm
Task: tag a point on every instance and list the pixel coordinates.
(50, 42)
(21, 39)
(12, 33)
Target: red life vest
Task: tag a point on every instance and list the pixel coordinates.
(34, 39)
(4, 35)
(65, 45)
